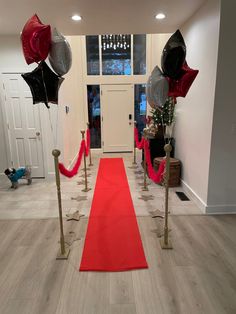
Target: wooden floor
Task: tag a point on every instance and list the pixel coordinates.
(198, 276)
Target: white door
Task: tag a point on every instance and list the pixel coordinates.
(24, 125)
(117, 102)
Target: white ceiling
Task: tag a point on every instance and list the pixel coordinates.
(99, 17)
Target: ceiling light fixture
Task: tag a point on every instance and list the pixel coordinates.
(160, 16)
(76, 17)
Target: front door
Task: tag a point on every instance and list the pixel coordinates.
(24, 125)
(117, 103)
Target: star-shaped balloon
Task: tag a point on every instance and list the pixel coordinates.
(173, 55)
(180, 87)
(60, 53)
(157, 88)
(44, 84)
(36, 40)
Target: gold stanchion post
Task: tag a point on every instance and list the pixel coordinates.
(165, 241)
(135, 162)
(145, 187)
(90, 156)
(86, 189)
(64, 251)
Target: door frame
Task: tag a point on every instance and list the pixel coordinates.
(101, 108)
(6, 130)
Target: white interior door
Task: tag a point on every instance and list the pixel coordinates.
(117, 103)
(24, 125)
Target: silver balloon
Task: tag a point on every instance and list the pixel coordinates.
(60, 56)
(157, 88)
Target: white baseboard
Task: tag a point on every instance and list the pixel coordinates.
(96, 150)
(207, 209)
(193, 196)
(221, 209)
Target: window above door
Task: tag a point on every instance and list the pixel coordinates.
(116, 54)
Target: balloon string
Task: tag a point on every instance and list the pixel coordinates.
(54, 134)
(45, 89)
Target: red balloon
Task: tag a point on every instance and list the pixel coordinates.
(180, 87)
(36, 40)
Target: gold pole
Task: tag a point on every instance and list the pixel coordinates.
(145, 187)
(134, 162)
(165, 242)
(86, 189)
(64, 252)
(90, 156)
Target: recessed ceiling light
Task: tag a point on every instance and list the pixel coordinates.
(160, 16)
(76, 17)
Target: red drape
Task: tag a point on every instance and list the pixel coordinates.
(71, 173)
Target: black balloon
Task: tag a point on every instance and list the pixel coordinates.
(173, 55)
(44, 84)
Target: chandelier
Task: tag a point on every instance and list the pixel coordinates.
(116, 42)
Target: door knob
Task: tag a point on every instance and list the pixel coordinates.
(37, 133)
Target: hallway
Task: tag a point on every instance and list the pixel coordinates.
(39, 200)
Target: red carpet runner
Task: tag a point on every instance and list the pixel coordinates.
(112, 241)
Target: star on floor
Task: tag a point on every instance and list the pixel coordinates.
(82, 182)
(75, 216)
(146, 198)
(70, 238)
(83, 175)
(138, 172)
(157, 214)
(86, 169)
(160, 233)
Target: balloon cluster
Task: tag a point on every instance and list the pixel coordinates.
(176, 78)
(38, 43)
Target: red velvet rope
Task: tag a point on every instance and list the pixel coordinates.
(71, 173)
(87, 147)
(139, 144)
(156, 177)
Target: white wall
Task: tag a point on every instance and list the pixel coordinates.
(222, 174)
(72, 94)
(193, 127)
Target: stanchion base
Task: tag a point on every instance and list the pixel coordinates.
(90, 165)
(145, 189)
(133, 167)
(134, 163)
(166, 246)
(64, 256)
(86, 190)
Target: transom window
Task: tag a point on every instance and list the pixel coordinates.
(116, 54)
